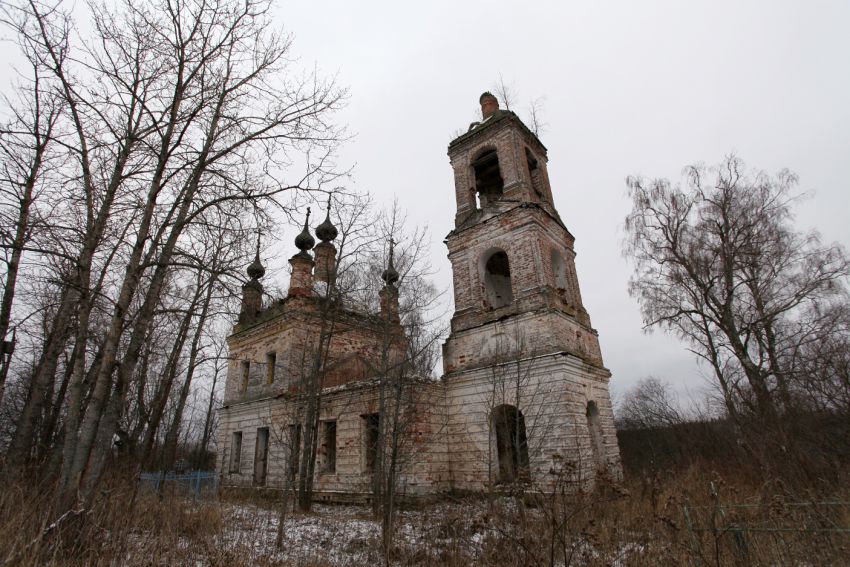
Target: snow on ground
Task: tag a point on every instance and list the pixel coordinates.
(334, 535)
(348, 536)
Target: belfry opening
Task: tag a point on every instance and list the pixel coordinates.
(497, 280)
(488, 178)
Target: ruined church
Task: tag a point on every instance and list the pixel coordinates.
(523, 397)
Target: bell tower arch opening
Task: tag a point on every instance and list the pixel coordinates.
(497, 278)
(511, 443)
(535, 173)
(489, 184)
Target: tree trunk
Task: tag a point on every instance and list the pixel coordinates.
(208, 420)
(313, 407)
(163, 390)
(22, 225)
(24, 437)
(170, 447)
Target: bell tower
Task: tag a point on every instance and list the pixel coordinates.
(526, 389)
(512, 256)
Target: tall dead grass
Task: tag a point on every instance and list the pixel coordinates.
(690, 497)
(125, 526)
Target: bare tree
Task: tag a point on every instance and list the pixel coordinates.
(718, 262)
(219, 361)
(24, 141)
(535, 116)
(505, 92)
(174, 110)
(404, 363)
(353, 234)
(509, 95)
(287, 432)
(820, 351)
(649, 403)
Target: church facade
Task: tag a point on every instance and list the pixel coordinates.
(523, 398)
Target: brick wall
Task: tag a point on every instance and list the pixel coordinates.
(424, 457)
(552, 392)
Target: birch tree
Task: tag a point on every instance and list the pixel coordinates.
(719, 262)
(174, 109)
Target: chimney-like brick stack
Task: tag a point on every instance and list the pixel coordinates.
(489, 105)
(301, 279)
(252, 291)
(325, 251)
(389, 294)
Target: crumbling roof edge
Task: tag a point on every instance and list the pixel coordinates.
(482, 126)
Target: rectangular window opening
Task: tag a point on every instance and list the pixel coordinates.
(261, 456)
(246, 372)
(271, 360)
(372, 423)
(329, 446)
(236, 452)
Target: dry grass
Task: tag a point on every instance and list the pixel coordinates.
(639, 522)
(123, 527)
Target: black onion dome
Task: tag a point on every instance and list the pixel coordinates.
(390, 275)
(305, 241)
(327, 231)
(255, 269)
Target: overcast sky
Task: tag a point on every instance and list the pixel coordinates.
(630, 88)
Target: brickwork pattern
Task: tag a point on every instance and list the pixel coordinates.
(525, 343)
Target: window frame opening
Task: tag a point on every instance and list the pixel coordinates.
(246, 375)
(535, 173)
(235, 452)
(489, 183)
(261, 456)
(497, 280)
(511, 441)
(329, 446)
(271, 363)
(371, 434)
(594, 430)
(559, 269)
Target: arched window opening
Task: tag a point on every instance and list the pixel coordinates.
(559, 270)
(511, 443)
(594, 428)
(497, 280)
(536, 174)
(488, 178)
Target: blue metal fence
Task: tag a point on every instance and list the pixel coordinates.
(195, 482)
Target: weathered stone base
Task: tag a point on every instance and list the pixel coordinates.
(552, 392)
(452, 443)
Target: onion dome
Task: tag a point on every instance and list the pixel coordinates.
(327, 231)
(305, 241)
(390, 275)
(255, 269)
